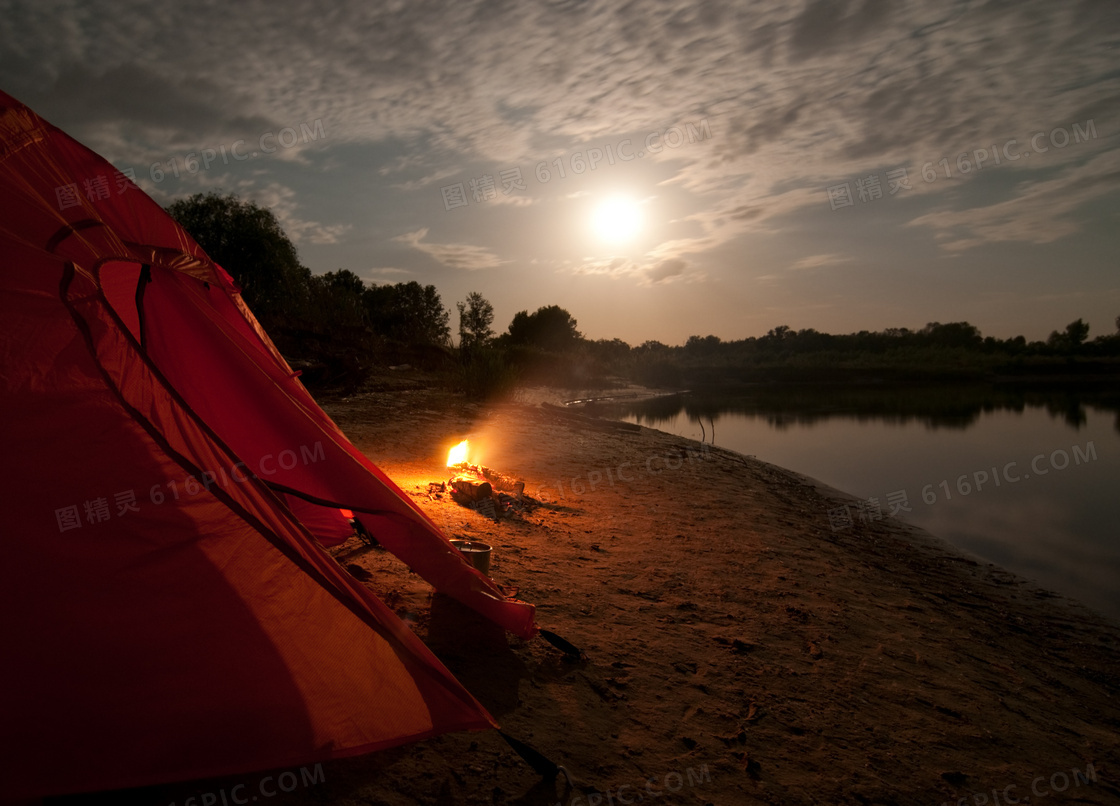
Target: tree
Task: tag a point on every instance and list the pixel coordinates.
(1071, 339)
(550, 328)
(953, 334)
(1076, 333)
(408, 313)
(248, 242)
(336, 299)
(609, 354)
(702, 345)
(476, 315)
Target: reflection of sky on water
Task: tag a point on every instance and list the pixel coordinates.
(1058, 528)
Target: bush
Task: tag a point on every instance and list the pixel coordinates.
(485, 373)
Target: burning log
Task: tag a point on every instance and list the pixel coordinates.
(471, 491)
(488, 492)
(501, 481)
(470, 488)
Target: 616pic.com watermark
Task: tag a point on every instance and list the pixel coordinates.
(267, 144)
(268, 787)
(870, 509)
(646, 792)
(97, 510)
(1058, 782)
(654, 465)
(870, 187)
(98, 188)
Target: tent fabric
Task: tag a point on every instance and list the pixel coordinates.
(166, 612)
(225, 370)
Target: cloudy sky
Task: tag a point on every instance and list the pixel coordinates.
(658, 169)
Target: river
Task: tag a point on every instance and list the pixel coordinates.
(1026, 478)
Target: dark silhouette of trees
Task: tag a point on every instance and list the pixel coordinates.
(1071, 339)
(337, 298)
(953, 334)
(341, 325)
(476, 315)
(702, 345)
(333, 325)
(248, 242)
(609, 350)
(949, 351)
(551, 328)
(408, 313)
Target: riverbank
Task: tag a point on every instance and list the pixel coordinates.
(728, 632)
(737, 651)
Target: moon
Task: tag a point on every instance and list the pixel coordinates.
(617, 220)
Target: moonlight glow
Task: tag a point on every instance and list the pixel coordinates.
(617, 220)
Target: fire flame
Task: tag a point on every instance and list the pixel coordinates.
(458, 454)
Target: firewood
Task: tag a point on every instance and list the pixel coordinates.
(471, 489)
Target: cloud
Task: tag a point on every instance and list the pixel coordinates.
(644, 272)
(466, 257)
(798, 97)
(282, 201)
(613, 267)
(387, 271)
(1039, 212)
(817, 261)
(513, 201)
(426, 181)
(403, 162)
(666, 270)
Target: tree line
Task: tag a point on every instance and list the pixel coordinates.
(336, 327)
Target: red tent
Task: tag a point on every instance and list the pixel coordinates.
(165, 610)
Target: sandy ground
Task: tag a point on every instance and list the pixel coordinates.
(738, 651)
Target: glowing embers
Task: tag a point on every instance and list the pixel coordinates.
(484, 490)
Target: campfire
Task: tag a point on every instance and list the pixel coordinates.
(484, 490)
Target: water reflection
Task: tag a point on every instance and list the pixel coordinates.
(1052, 521)
(935, 407)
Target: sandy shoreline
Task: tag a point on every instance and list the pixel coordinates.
(738, 651)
